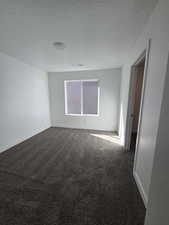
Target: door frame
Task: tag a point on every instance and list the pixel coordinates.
(145, 54)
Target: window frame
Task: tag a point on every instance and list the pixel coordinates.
(81, 114)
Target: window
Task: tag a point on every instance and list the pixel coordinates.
(81, 97)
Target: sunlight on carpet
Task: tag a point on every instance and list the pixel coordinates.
(113, 139)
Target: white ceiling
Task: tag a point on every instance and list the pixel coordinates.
(97, 33)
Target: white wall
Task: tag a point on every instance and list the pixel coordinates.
(158, 30)
(158, 205)
(110, 82)
(24, 102)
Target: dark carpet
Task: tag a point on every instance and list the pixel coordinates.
(68, 177)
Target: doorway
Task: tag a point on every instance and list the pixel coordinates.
(136, 100)
(137, 93)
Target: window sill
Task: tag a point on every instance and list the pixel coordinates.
(83, 115)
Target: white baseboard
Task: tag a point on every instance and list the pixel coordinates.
(71, 127)
(140, 188)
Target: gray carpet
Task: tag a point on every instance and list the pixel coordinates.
(68, 177)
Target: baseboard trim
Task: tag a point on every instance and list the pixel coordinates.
(140, 188)
(75, 128)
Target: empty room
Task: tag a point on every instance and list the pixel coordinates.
(84, 112)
